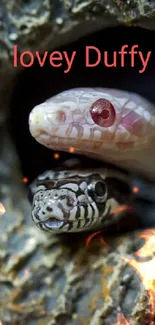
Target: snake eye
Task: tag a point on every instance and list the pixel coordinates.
(98, 191)
(103, 112)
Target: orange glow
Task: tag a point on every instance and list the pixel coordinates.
(121, 320)
(56, 156)
(91, 236)
(26, 271)
(143, 262)
(118, 209)
(121, 208)
(71, 149)
(135, 189)
(25, 180)
(146, 269)
(0, 322)
(2, 209)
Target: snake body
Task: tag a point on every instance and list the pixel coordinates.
(107, 124)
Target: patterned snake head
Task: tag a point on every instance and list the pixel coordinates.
(72, 201)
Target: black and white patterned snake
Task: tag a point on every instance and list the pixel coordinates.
(112, 126)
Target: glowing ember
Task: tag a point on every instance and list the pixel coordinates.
(121, 208)
(121, 320)
(26, 271)
(71, 149)
(135, 189)
(0, 322)
(25, 180)
(2, 209)
(56, 156)
(91, 236)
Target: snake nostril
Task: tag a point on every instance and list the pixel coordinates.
(61, 116)
(49, 208)
(103, 112)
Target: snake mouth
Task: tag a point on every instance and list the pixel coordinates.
(52, 223)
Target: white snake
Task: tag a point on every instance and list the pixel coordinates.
(109, 125)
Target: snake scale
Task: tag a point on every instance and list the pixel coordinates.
(111, 126)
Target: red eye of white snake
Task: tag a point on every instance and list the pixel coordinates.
(103, 112)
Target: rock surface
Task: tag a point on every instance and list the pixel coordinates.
(37, 24)
(58, 280)
(64, 280)
(47, 24)
(43, 25)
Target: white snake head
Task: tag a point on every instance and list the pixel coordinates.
(111, 125)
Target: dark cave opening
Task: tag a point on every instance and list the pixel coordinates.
(35, 84)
